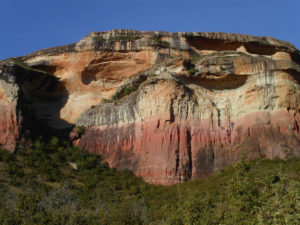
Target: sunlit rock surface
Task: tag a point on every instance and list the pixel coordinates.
(169, 106)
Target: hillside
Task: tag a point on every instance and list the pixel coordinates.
(53, 182)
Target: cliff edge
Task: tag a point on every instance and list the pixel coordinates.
(169, 106)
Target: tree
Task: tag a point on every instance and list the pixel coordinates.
(243, 196)
(281, 201)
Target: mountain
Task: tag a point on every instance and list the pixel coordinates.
(170, 107)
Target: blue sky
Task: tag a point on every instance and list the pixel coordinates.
(30, 25)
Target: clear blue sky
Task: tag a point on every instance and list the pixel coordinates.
(30, 25)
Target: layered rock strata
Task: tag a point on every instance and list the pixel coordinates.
(29, 100)
(169, 106)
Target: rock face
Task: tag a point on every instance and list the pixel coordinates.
(29, 101)
(9, 120)
(169, 106)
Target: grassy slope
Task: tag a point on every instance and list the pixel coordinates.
(39, 186)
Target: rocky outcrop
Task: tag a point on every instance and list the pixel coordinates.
(169, 106)
(30, 100)
(9, 121)
(180, 126)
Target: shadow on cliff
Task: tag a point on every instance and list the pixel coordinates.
(41, 97)
(201, 43)
(115, 144)
(203, 163)
(89, 75)
(296, 57)
(228, 82)
(295, 75)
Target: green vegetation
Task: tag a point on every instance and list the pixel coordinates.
(190, 66)
(192, 71)
(129, 37)
(125, 37)
(105, 100)
(53, 182)
(160, 43)
(124, 92)
(79, 130)
(99, 39)
(191, 62)
(120, 94)
(195, 58)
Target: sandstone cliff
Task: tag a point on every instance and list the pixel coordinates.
(169, 106)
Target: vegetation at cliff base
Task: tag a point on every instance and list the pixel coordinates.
(53, 182)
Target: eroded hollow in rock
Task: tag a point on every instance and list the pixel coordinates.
(201, 43)
(221, 83)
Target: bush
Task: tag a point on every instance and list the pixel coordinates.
(5, 156)
(49, 171)
(105, 100)
(259, 192)
(281, 201)
(54, 143)
(13, 169)
(192, 71)
(80, 130)
(125, 38)
(243, 195)
(60, 155)
(124, 92)
(99, 39)
(190, 66)
(195, 58)
(160, 43)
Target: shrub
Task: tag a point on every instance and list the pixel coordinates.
(60, 155)
(13, 169)
(243, 195)
(54, 143)
(158, 42)
(80, 130)
(5, 156)
(105, 100)
(39, 145)
(192, 71)
(281, 201)
(14, 181)
(99, 39)
(124, 92)
(124, 38)
(259, 192)
(190, 66)
(195, 58)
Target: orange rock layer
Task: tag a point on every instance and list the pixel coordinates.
(170, 107)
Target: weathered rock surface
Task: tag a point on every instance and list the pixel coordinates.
(9, 121)
(27, 97)
(169, 106)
